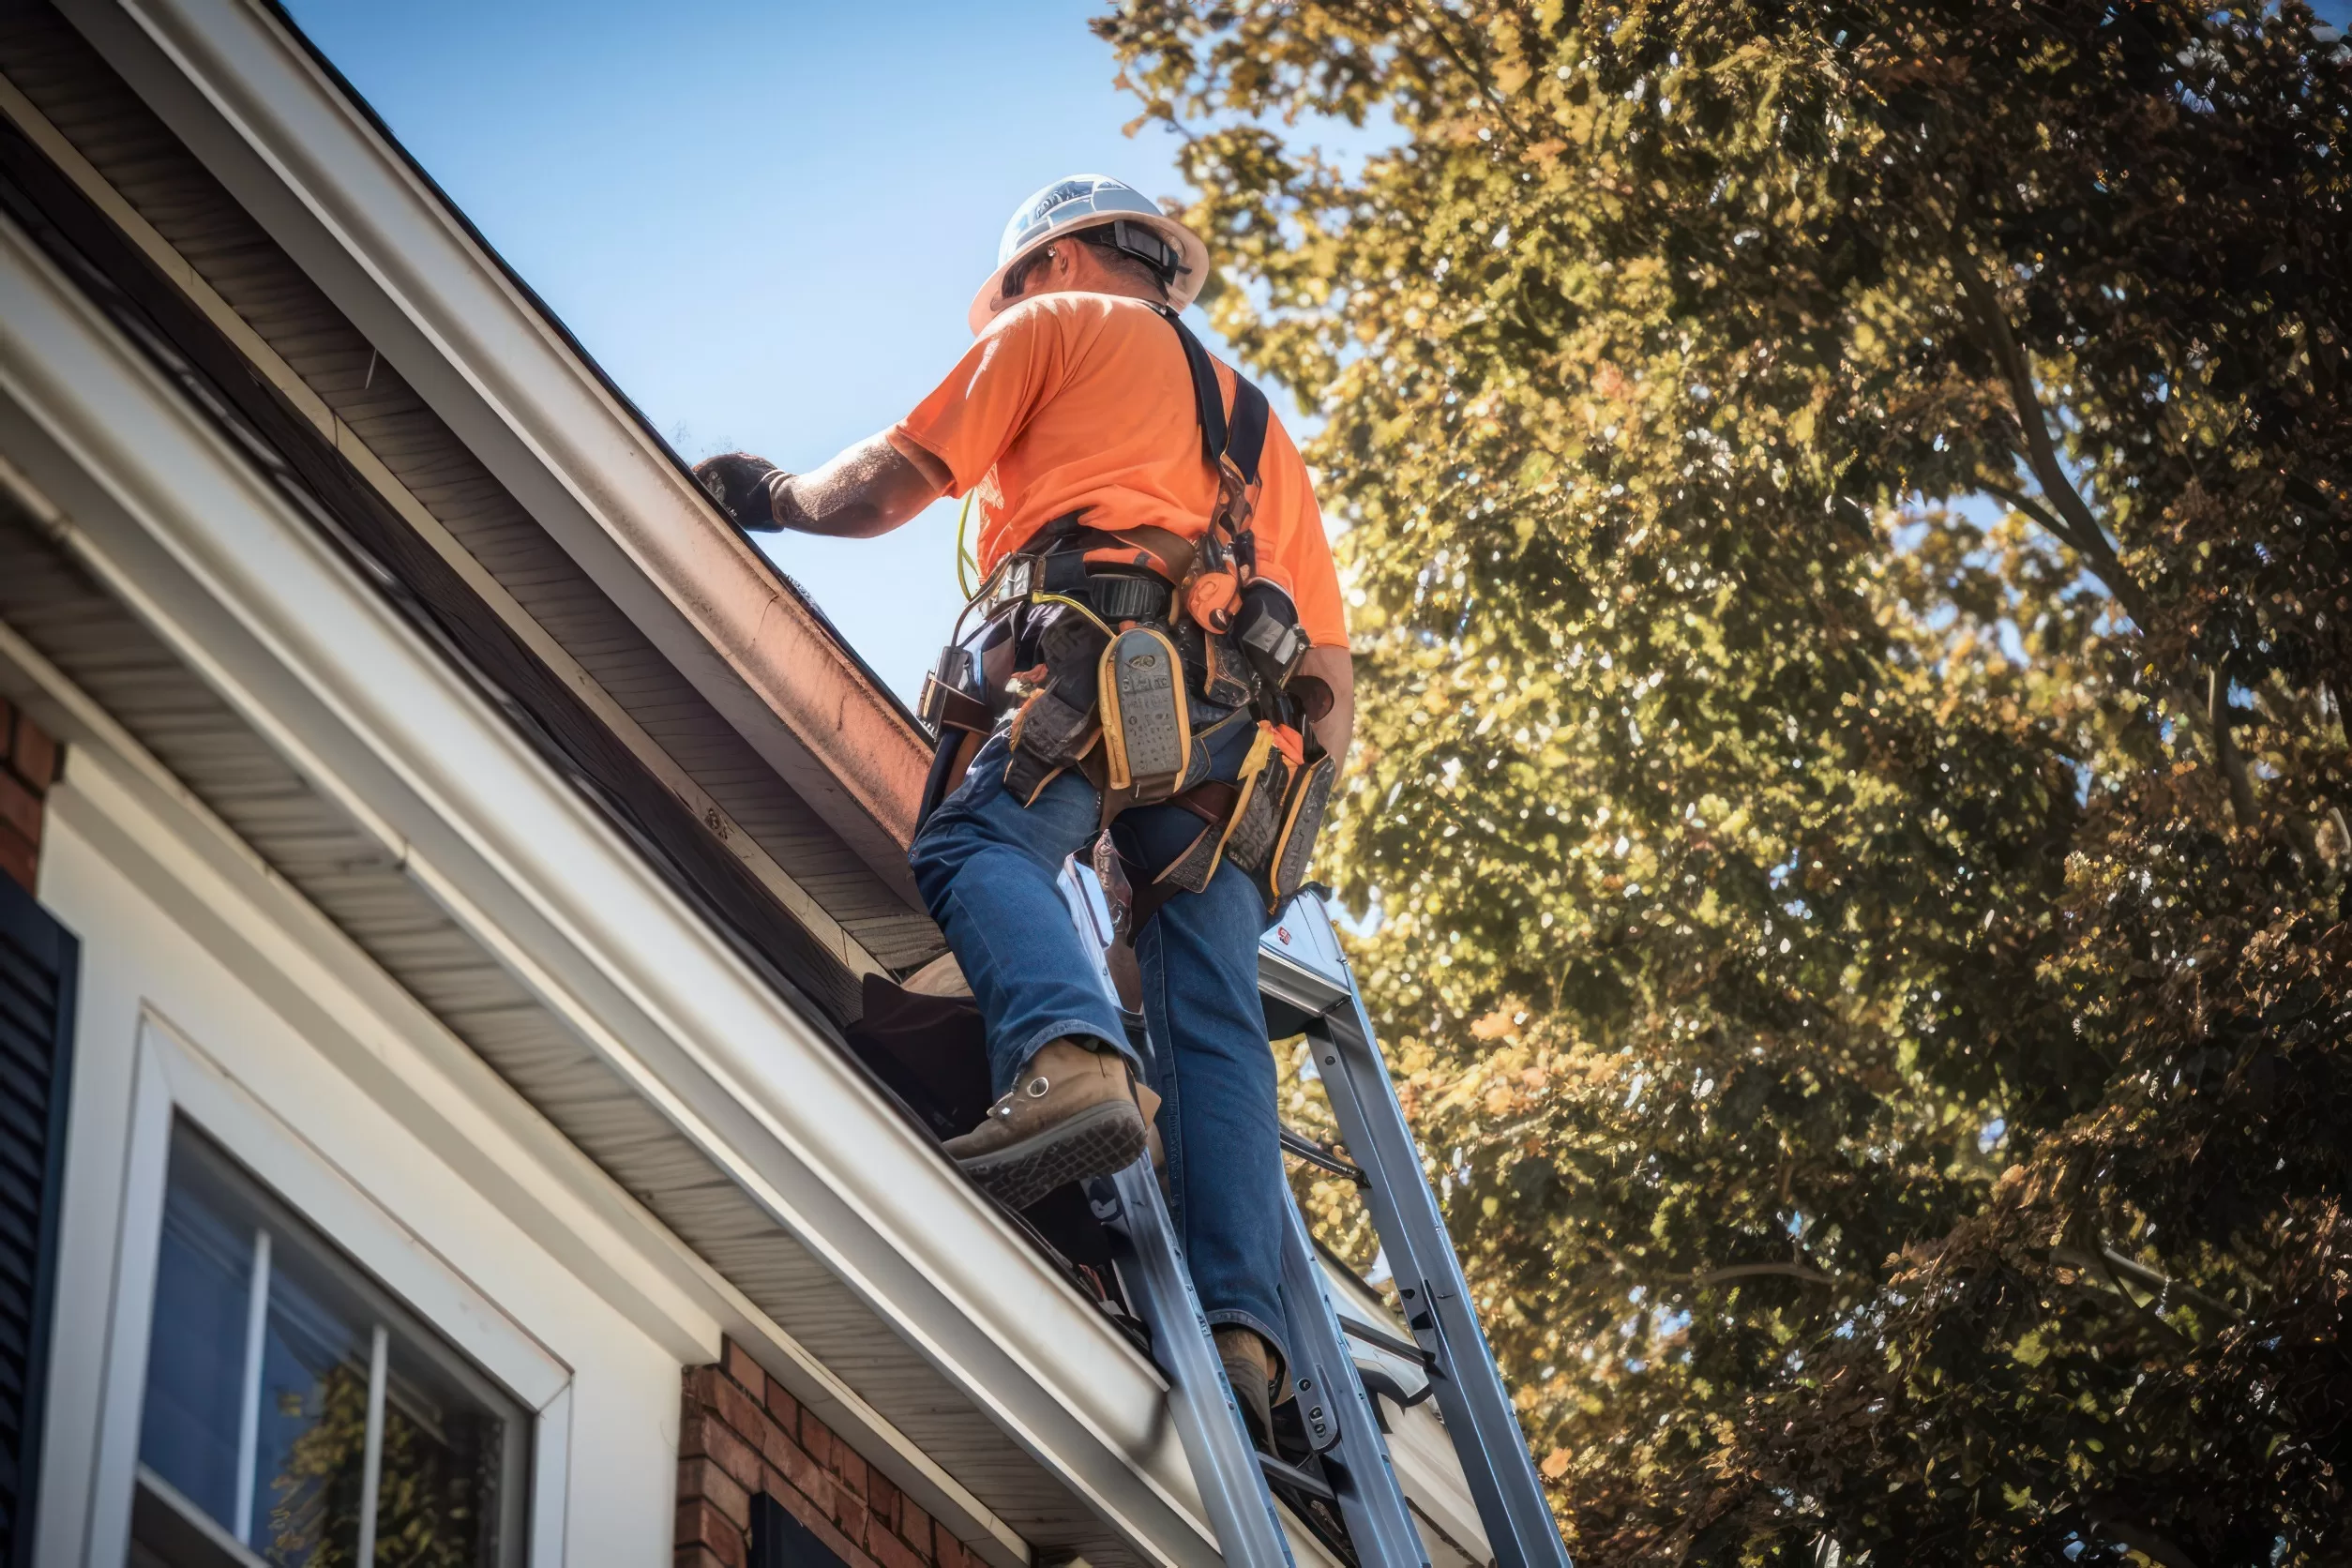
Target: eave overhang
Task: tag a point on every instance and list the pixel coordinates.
(304, 157)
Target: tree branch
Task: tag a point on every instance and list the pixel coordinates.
(2164, 1284)
(1751, 1271)
(2034, 509)
(2241, 795)
(2082, 531)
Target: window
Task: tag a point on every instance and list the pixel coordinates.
(296, 1415)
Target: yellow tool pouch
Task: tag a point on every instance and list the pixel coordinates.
(1147, 733)
(1304, 802)
(1273, 836)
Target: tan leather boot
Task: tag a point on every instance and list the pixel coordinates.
(1249, 1367)
(1071, 1115)
(1149, 1103)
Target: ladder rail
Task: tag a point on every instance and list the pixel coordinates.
(1338, 1415)
(1150, 1264)
(1153, 1277)
(1479, 1416)
(1305, 972)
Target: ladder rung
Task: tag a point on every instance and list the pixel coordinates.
(1281, 1474)
(1321, 1155)
(1355, 1329)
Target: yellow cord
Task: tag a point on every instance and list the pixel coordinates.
(1107, 628)
(964, 558)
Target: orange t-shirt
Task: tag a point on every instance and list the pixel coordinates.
(1081, 403)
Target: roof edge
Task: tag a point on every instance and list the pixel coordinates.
(315, 165)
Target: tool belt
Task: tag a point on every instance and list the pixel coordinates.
(1129, 655)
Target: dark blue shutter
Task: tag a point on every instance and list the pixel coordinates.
(780, 1541)
(37, 962)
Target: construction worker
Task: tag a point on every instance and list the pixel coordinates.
(1078, 418)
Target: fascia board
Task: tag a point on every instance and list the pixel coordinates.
(315, 171)
(249, 593)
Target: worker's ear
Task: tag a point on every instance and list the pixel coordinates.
(1065, 263)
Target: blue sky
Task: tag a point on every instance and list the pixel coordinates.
(765, 220)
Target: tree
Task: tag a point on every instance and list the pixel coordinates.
(1848, 520)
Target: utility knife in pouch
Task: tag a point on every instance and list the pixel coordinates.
(1303, 804)
(1147, 734)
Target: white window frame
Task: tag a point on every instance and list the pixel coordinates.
(175, 1080)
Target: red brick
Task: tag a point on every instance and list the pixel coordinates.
(851, 1516)
(700, 1525)
(914, 1525)
(695, 1557)
(883, 1498)
(783, 1406)
(737, 1364)
(702, 1387)
(948, 1552)
(704, 1479)
(891, 1552)
(20, 860)
(801, 1473)
(817, 1438)
(35, 756)
(738, 1409)
(20, 807)
(703, 1435)
(851, 1466)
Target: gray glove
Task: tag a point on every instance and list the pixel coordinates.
(740, 483)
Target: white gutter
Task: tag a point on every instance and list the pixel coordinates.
(245, 592)
(250, 101)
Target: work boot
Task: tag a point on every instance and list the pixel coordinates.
(1249, 1367)
(1071, 1115)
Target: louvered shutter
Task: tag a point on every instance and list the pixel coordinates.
(37, 962)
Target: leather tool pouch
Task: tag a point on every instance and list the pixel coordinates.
(1274, 828)
(1147, 732)
(1189, 872)
(1055, 726)
(1303, 806)
(1217, 667)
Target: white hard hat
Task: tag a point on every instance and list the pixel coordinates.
(1083, 202)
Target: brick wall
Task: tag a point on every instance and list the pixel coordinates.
(28, 764)
(742, 1435)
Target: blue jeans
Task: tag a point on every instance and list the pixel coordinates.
(987, 868)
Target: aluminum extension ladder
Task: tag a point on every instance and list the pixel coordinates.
(1307, 986)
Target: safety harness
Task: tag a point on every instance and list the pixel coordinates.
(1128, 655)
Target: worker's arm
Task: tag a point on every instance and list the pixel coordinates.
(1337, 729)
(868, 490)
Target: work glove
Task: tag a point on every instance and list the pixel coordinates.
(740, 483)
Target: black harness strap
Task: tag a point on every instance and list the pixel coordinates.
(1244, 438)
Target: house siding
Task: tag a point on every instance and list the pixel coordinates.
(741, 1435)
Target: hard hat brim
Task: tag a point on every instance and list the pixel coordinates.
(1187, 286)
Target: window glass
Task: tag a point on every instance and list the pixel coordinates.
(295, 1411)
